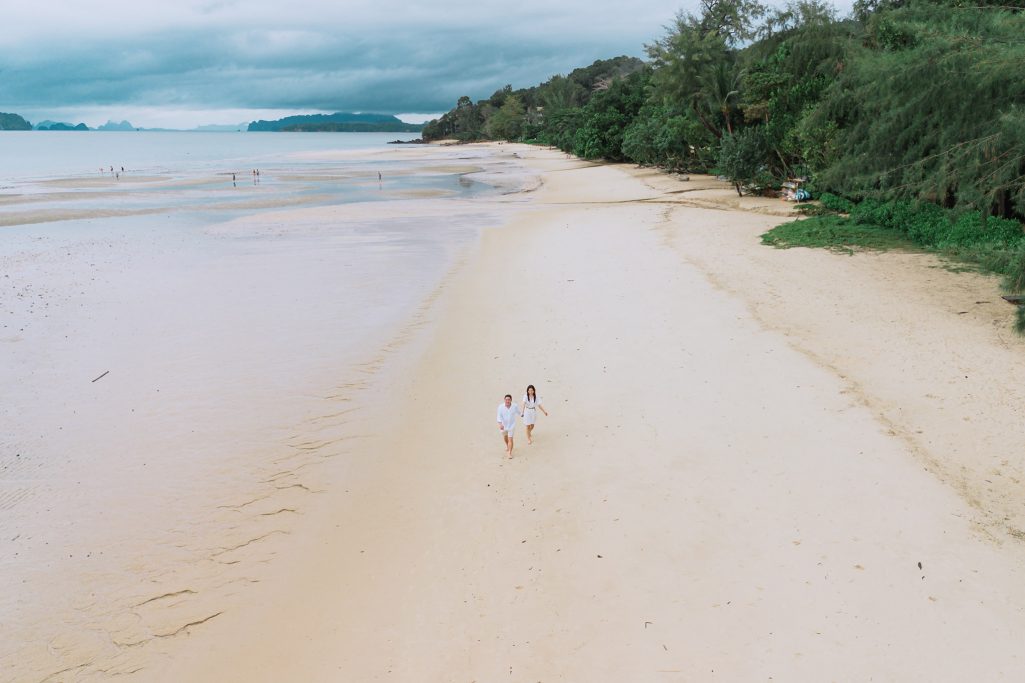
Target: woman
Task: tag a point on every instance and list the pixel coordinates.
(531, 404)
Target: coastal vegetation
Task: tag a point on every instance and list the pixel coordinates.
(907, 118)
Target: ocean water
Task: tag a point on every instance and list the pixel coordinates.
(71, 174)
(37, 155)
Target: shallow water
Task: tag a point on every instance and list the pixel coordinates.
(38, 155)
(49, 176)
(172, 347)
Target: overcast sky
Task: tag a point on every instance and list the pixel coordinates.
(188, 62)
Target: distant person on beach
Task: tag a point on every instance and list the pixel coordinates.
(507, 413)
(531, 404)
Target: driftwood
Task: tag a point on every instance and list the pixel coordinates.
(105, 372)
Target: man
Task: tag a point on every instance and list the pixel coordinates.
(507, 413)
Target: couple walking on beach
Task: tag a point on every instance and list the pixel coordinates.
(509, 411)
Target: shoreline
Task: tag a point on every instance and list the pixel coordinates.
(144, 505)
(709, 498)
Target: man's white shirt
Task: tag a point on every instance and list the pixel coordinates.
(507, 416)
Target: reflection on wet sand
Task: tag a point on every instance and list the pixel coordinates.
(66, 199)
(192, 364)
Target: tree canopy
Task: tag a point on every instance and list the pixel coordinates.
(904, 100)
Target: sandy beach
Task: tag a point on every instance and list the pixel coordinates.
(758, 465)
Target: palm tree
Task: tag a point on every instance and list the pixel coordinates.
(719, 87)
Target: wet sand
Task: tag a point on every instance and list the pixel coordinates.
(757, 465)
(181, 388)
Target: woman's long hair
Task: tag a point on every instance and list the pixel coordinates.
(530, 387)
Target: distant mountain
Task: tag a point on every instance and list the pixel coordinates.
(221, 127)
(337, 122)
(13, 122)
(354, 127)
(56, 125)
(110, 125)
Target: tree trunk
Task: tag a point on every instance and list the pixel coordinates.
(711, 129)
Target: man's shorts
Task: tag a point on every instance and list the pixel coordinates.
(510, 432)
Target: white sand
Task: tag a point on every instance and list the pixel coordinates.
(749, 454)
(709, 500)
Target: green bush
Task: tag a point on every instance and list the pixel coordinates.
(1013, 269)
(1005, 230)
(971, 228)
(742, 159)
(929, 225)
(834, 203)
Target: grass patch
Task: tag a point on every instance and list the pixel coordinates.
(835, 233)
(814, 209)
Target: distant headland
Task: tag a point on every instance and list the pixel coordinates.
(339, 122)
(18, 122)
(13, 122)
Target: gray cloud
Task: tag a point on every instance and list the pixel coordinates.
(305, 55)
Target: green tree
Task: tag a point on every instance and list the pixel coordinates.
(742, 159)
(468, 121)
(606, 117)
(932, 115)
(561, 93)
(508, 122)
(786, 74)
(696, 61)
(661, 136)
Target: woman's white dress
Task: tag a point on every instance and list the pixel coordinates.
(530, 409)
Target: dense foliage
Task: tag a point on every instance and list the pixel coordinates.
(908, 114)
(904, 100)
(930, 107)
(550, 112)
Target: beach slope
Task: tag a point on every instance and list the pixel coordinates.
(706, 500)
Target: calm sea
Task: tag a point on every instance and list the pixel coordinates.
(33, 155)
(63, 175)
